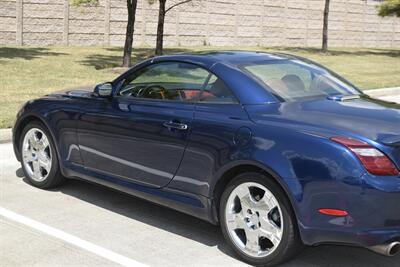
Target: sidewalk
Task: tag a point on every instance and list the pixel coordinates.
(385, 92)
(5, 135)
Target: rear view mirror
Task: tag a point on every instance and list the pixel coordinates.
(103, 89)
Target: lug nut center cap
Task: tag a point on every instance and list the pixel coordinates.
(253, 221)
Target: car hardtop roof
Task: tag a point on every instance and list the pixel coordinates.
(235, 58)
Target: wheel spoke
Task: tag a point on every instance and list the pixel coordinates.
(27, 156)
(42, 143)
(252, 240)
(45, 163)
(35, 140)
(36, 169)
(266, 203)
(33, 143)
(245, 198)
(235, 221)
(242, 192)
(270, 230)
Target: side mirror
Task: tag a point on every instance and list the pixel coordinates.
(103, 89)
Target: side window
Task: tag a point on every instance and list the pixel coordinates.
(289, 80)
(217, 92)
(166, 81)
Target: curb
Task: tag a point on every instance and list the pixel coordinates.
(5, 135)
(383, 92)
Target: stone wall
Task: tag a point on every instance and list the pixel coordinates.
(353, 23)
(8, 22)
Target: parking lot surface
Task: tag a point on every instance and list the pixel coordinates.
(392, 98)
(60, 227)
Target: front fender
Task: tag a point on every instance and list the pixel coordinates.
(25, 115)
(59, 115)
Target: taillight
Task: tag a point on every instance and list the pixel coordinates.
(373, 160)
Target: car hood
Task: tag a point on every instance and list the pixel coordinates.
(83, 91)
(374, 119)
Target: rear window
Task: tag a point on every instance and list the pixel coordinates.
(294, 79)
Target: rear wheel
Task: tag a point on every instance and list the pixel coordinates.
(257, 221)
(38, 156)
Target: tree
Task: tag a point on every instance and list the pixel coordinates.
(130, 27)
(390, 8)
(162, 11)
(325, 27)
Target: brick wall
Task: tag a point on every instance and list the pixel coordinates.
(353, 23)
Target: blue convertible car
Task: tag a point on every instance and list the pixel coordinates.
(277, 149)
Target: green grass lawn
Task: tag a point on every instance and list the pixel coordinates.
(29, 72)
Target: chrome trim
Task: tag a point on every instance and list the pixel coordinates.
(36, 154)
(390, 249)
(254, 220)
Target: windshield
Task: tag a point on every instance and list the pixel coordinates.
(295, 79)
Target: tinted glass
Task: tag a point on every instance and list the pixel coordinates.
(293, 79)
(166, 81)
(217, 92)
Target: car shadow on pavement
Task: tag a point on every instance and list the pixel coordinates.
(205, 233)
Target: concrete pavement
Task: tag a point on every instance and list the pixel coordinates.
(22, 246)
(5, 135)
(133, 228)
(395, 98)
(383, 92)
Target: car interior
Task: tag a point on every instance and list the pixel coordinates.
(216, 91)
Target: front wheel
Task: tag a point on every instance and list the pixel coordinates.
(38, 156)
(257, 221)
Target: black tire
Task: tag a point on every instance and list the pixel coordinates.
(290, 244)
(54, 177)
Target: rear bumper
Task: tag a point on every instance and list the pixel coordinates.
(373, 207)
(364, 238)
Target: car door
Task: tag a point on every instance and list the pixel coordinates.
(221, 133)
(141, 133)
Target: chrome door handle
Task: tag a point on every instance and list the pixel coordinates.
(175, 125)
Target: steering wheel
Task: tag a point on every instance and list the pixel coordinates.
(152, 90)
(131, 90)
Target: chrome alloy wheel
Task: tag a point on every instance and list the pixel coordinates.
(36, 154)
(254, 220)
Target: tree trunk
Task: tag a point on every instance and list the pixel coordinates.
(325, 28)
(160, 28)
(130, 27)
